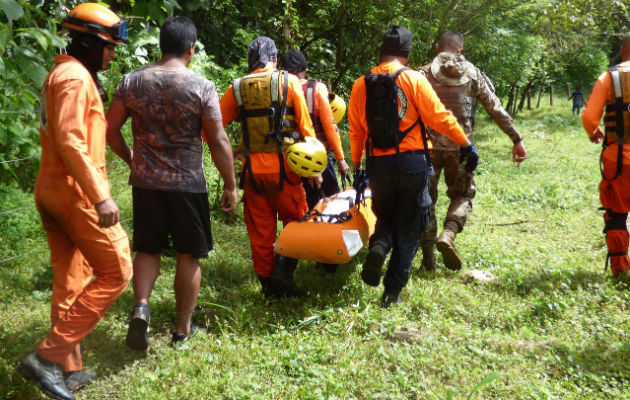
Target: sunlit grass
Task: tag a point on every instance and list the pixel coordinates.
(555, 326)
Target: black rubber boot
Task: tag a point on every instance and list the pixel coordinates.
(47, 375)
(282, 277)
(388, 299)
(373, 266)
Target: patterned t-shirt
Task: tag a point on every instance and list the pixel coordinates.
(166, 106)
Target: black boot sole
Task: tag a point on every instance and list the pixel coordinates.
(452, 260)
(137, 334)
(26, 373)
(372, 269)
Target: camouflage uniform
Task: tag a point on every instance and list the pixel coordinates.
(458, 98)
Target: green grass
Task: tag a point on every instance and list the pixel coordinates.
(554, 327)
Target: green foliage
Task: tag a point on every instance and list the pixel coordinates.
(26, 52)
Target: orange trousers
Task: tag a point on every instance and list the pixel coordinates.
(262, 210)
(79, 251)
(615, 198)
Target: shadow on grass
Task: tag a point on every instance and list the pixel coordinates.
(551, 281)
(236, 303)
(101, 351)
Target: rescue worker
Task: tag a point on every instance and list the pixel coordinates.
(89, 250)
(272, 111)
(169, 105)
(316, 95)
(611, 93)
(457, 83)
(398, 165)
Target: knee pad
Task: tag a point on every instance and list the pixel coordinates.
(615, 221)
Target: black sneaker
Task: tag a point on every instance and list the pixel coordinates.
(372, 269)
(388, 299)
(138, 332)
(75, 380)
(47, 376)
(180, 337)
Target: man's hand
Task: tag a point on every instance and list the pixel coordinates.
(316, 181)
(343, 167)
(598, 136)
(229, 200)
(519, 154)
(107, 213)
(470, 156)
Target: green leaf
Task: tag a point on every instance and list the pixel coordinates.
(155, 11)
(5, 36)
(12, 9)
(141, 8)
(483, 383)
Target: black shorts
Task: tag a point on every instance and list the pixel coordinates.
(171, 220)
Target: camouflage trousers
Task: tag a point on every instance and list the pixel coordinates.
(460, 190)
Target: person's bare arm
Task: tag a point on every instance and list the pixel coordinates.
(116, 117)
(221, 151)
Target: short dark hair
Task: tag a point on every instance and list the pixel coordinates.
(449, 34)
(177, 35)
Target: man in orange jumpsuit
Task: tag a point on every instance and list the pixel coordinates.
(271, 190)
(397, 163)
(316, 95)
(612, 93)
(73, 198)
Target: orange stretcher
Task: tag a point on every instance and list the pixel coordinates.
(332, 232)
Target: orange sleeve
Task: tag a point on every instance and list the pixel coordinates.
(325, 115)
(356, 118)
(302, 117)
(229, 108)
(71, 140)
(602, 92)
(433, 112)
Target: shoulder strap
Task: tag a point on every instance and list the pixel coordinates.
(423, 131)
(310, 95)
(247, 167)
(616, 82)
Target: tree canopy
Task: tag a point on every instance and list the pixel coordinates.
(521, 45)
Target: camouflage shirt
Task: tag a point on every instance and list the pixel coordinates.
(166, 106)
(459, 100)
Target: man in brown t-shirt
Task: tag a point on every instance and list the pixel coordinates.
(169, 105)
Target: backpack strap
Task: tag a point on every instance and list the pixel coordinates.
(247, 167)
(619, 109)
(310, 96)
(423, 130)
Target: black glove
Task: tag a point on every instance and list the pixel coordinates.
(469, 154)
(359, 184)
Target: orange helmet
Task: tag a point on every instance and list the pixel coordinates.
(97, 20)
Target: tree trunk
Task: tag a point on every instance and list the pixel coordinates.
(508, 107)
(551, 95)
(568, 90)
(341, 36)
(287, 37)
(540, 92)
(529, 98)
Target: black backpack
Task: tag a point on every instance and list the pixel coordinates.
(381, 110)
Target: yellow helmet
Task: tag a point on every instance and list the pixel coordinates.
(337, 105)
(307, 158)
(97, 20)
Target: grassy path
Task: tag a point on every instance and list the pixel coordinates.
(554, 327)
